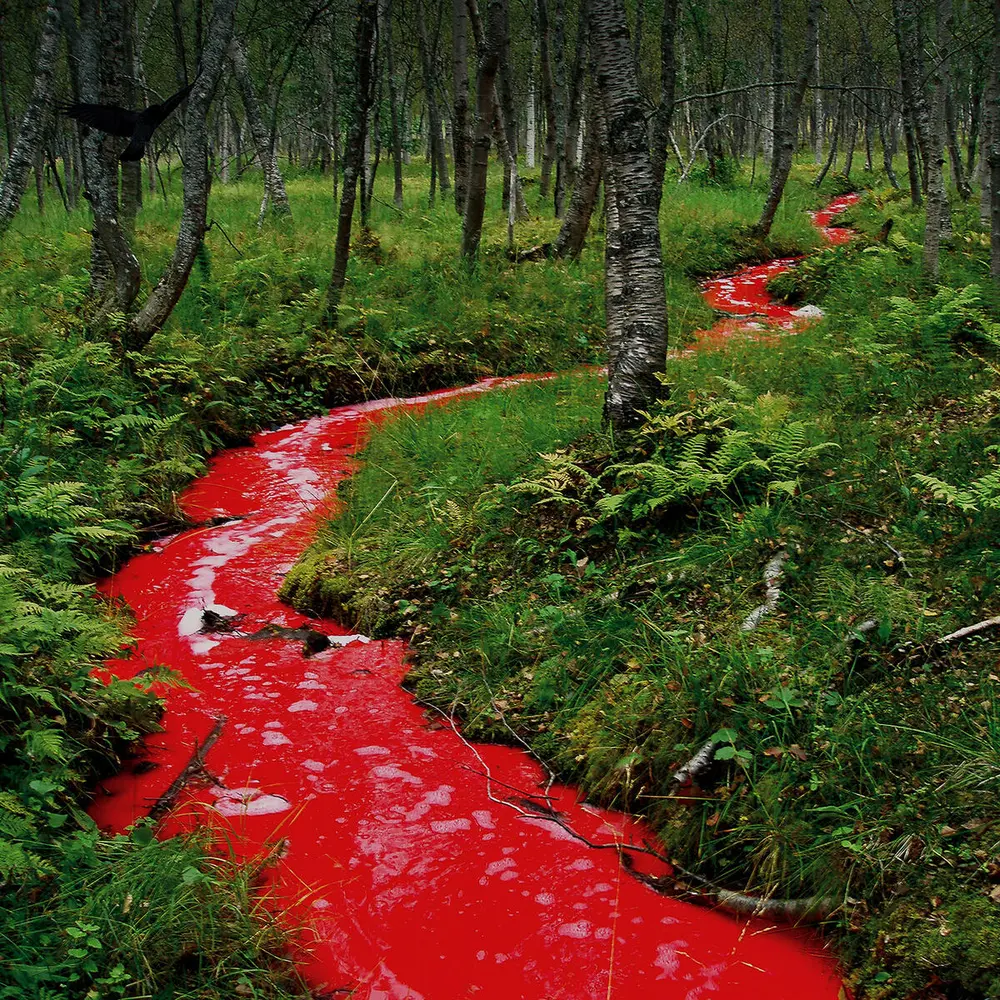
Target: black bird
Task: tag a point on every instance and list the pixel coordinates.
(138, 126)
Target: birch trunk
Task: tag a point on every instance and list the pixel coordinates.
(785, 149)
(818, 112)
(8, 129)
(573, 233)
(28, 143)
(504, 151)
(353, 156)
(937, 196)
(994, 140)
(559, 95)
(435, 148)
(636, 302)
(532, 126)
(663, 118)
(548, 98)
(574, 114)
(460, 103)
(489, 63)
(162, 299)
(275, 195)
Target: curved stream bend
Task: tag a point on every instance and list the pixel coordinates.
(411, 855)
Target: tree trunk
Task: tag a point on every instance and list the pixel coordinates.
(574, 114)
(573, 233)
(8, 129)
(832, 156)
(849, 159)
(989, 135)
(436, 144)
(994, 140)
(957, 171)
(663, 118)
(489, 63)
(820, 124)
(530, 138)
(548, 98)
(353, 155)
(887, 150)
(504, 151)
(784, 151)
(937, 196)
(558, 56)
(275, 195)
(460, 114)
(114, 271)
(131, 169)
(777, 73)
(28, 143)
(637, 337)
(162, 299)
(505, 98)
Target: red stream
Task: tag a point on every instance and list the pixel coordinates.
(408, 853)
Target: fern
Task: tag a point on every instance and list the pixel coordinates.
(980, 495)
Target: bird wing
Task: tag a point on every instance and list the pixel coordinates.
(107, 117)
(158, 112)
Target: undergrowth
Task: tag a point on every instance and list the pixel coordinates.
(599, 598)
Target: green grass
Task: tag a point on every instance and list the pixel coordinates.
(94, 448)
(592, 598)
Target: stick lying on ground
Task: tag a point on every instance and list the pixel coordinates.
(772, 578)
(195, 768)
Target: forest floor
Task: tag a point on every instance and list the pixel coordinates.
(593, 598)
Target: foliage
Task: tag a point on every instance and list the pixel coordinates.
(133, 916)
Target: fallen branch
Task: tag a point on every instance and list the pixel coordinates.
(772, 578)
(696, 766)
(877, 541)
(195, 767)
(964, 633)
(809, 909)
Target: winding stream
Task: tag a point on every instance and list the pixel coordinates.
(409, 854)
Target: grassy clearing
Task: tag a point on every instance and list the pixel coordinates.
(593, 599)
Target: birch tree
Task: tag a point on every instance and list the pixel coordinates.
(636, 295)
(785, 142)
(275, 195)
(157, 308)
(354, 154)
(28, 142)
(486, 104)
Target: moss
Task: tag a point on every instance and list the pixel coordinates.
(945, 935)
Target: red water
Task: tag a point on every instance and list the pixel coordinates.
(409, 854)
(743, 296)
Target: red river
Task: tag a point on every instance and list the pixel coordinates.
(408, 855)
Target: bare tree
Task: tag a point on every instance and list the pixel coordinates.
(428, 55)
(573, 232)
(636, 296)
(28, 143)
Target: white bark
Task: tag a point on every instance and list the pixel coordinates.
(22, 156)
(162, 299)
